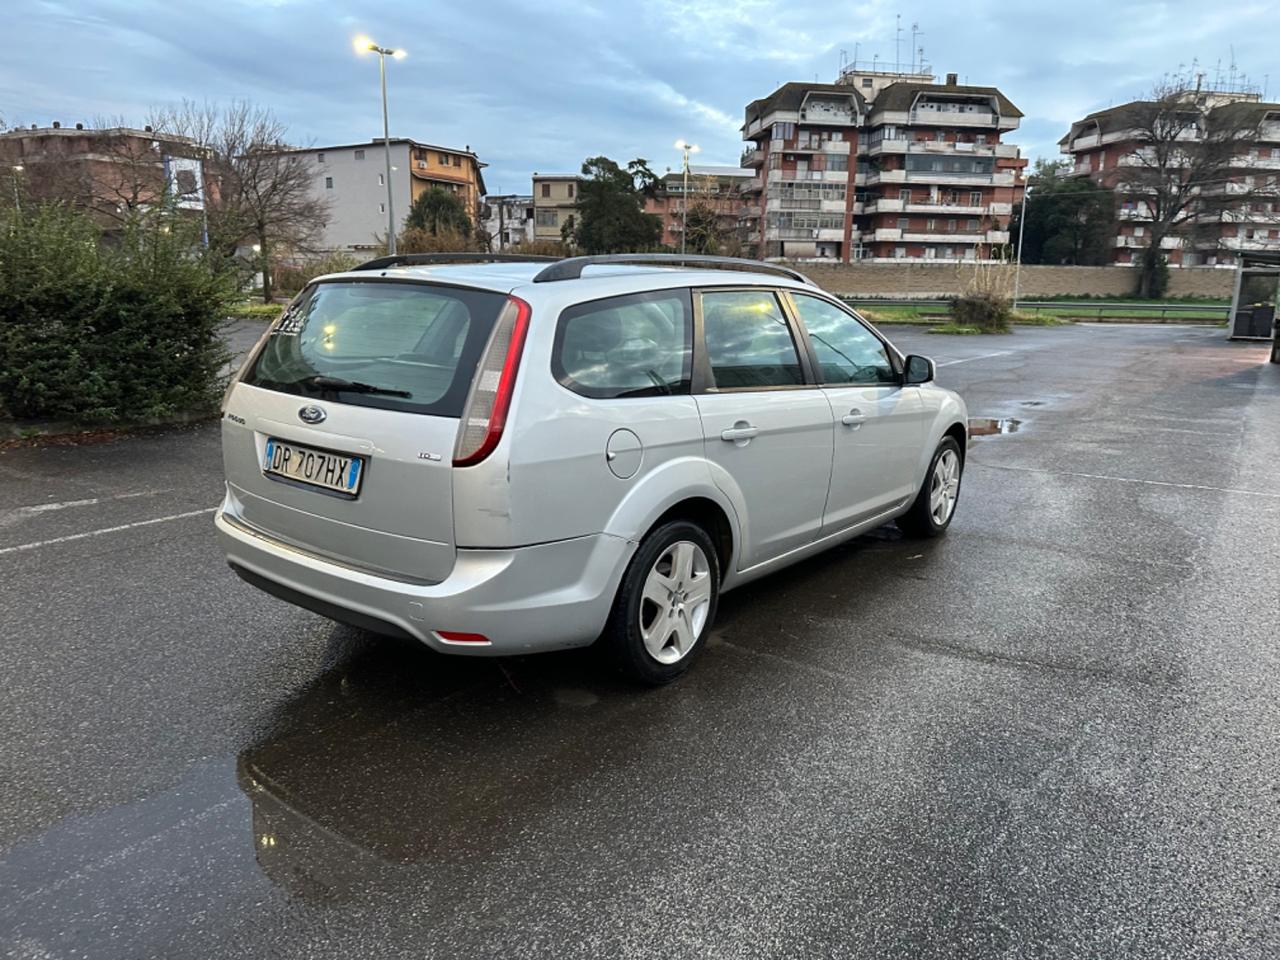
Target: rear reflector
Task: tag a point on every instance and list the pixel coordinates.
(485, 414)
(452, 636)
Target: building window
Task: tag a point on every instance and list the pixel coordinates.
(328, 183)
(546, 218)
(381, 180)
(866, 81)
(319, 158)
(359, 154)
(904, 196)
(899, 252)
(973, 225)
(980, 139)
(444, 160)
(904, 223)
(951, 226)
(546, 190)
(931, 224)
(571, 191)
(975, 198)
(382, 208)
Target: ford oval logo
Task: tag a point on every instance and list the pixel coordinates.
(311, 414)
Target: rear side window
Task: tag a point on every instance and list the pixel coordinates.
(398, 346)
(633, 346)
(748, 341)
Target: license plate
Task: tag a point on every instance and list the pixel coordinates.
(318, 468)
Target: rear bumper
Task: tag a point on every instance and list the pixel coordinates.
(524, 600)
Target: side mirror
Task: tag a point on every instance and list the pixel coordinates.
(918, 369)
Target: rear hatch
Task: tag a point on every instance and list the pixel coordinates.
(339, 438)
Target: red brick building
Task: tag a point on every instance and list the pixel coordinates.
(717, 187)
(882, 166)
(110, 172)
(1106, 144)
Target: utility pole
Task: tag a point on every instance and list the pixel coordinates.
(687, 148)
(1022, 226)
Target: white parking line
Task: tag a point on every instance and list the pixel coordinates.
(18, 512)
(985, 356)
(105, 530)
(1154, 483)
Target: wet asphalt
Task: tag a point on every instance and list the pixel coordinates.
(1053, 733)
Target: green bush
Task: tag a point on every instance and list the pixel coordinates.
(988, 312)
(100, 328)
(291, 277)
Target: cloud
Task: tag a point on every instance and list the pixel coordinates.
(543, 86)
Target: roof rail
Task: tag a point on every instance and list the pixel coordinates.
(426, 259)
(571, 268)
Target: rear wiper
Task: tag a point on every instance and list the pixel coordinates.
(352, 386)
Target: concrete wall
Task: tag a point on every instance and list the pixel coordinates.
(926, 280)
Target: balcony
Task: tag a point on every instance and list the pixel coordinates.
(884, 205)
(751, 157)
(1168, 243)
(886, 233)
(887, 146)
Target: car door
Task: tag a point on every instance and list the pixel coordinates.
(767, 426)
(880, 425)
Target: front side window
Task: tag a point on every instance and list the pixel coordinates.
(359, 154)
(633, 346)
(749, 344)
(546, 218)
(848, 353)
(398, 346)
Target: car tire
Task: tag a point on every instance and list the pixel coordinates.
(665, 604)
(931, 512)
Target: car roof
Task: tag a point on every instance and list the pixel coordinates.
(596, 280)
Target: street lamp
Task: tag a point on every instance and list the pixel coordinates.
(1022, 226)
(17, 200)
(687, 148)
(365, 45)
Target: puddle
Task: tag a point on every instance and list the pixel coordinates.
(989, 426)
(1032, 403)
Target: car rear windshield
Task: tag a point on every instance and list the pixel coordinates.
(398, 346)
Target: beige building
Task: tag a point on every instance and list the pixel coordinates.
(555, 203)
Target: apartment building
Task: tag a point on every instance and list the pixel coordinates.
(717, 187)
(109, 171)
(352, 178)
(882, 165)
(1106, 144)
(555, 202)
(508, 220)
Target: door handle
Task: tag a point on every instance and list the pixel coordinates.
(854, 418)
(739, 431)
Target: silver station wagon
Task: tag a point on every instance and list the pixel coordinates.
(509, 456)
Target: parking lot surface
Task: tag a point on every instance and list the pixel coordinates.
(1051, 733)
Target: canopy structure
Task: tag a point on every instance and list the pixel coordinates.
(1253, 304)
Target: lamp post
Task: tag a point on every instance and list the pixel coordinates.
(17, 200)
(1022, 226)
(365, 45)
(687, 148)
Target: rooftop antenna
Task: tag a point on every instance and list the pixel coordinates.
(915, 32)
(897, 42)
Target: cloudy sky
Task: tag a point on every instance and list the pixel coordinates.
(542, 85)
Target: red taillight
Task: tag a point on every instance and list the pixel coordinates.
(485, 415)
(453, 636)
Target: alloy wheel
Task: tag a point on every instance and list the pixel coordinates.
(675, 601)
(945, 487)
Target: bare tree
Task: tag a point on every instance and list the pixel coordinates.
(260, 190)
(1180, 172)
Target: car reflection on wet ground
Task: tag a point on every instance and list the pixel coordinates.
(1049, 733)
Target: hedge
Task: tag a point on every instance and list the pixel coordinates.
(96, 327)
